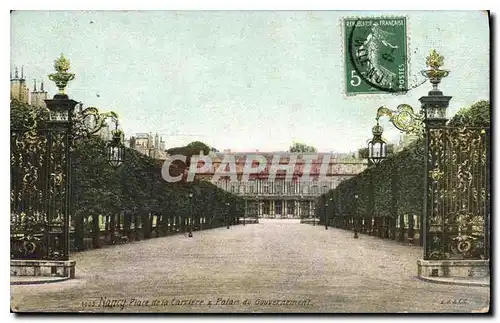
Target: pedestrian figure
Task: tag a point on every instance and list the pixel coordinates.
(190, 234)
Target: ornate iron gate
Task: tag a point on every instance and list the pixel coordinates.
(39, 193)
(457, 221)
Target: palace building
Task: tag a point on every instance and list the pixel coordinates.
(281, 197)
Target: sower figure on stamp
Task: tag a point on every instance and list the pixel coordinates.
(377, 42)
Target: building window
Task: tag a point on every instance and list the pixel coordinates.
(251, 189)
(324, 189)
(232, 188)
(314, 189)
(266, 189)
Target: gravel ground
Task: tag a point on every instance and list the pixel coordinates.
(272, 266)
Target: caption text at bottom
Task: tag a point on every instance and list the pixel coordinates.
(122, 303)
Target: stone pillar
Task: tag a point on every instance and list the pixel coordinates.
(440, 258)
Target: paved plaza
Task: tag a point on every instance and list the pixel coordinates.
(272, 266)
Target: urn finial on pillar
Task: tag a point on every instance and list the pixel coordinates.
(435, 103)
(61, 77)
(61, 107)
(435, 74)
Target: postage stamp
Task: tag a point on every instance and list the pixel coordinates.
(375, 55)
(211, 162)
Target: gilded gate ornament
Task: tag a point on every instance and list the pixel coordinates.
(404, 119)
(436, 174)
(90, 120)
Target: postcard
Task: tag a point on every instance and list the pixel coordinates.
(228, 161)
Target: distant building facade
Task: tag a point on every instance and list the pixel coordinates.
(149, 145)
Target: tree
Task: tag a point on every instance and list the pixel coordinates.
(298, 147)
(363, 152)
(23, 115)
(189, 150)
(198, 146)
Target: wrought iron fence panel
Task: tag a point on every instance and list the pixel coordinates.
(458, 198)
(39, 193)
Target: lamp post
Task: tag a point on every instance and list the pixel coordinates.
(227, 215)
(190, 232)
(314, 216)
(301, 212)
(326, 212)
(313, 211)
(354, 224)
(377, 152)
(260, 209)
(245, 212)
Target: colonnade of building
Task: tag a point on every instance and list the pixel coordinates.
(279, 208)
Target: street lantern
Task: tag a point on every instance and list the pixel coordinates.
(116, 149)
(377, 146)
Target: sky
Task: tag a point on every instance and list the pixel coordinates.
(241, 80)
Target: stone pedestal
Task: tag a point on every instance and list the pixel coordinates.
(453, 268)
(46, 268)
